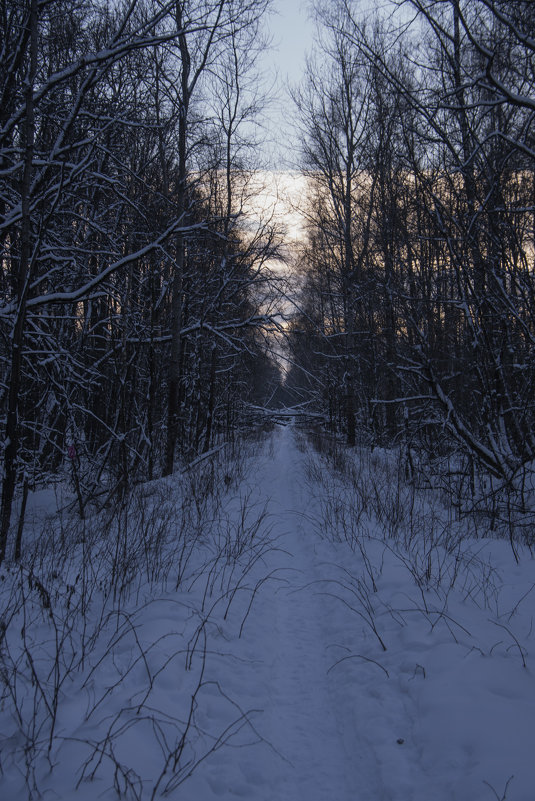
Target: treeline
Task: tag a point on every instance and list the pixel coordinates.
(417, 318)
(134, 300)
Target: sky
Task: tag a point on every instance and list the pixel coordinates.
(292, 31)
(280, 189)
(292, 34)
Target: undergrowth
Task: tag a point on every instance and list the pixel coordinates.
(106, 628)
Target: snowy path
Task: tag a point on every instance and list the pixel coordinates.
(286, 644)
(303, 724)
(375, 664)
(446, 713)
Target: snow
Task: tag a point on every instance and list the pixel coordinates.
(329, 655)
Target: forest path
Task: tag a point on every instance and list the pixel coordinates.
(338, 718)
(308, 722)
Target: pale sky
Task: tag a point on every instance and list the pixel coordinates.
(292, 34)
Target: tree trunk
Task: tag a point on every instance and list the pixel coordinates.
(12, 427)
(176, 290)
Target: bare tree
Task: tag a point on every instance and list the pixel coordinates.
(108, 225)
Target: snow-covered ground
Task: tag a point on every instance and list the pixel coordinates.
(287, 646)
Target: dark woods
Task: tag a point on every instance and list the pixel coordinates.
(136, 294)
(417, 319)
(134, 301)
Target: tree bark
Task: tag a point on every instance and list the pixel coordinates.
(176, 289)
(12, 427)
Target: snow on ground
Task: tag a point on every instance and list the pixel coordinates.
(305, 754)
(373, 665)
(446, 712)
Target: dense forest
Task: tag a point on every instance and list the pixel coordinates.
(139, 302)
(135, 300)
(416, 319)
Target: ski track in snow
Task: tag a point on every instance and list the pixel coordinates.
(302, 717)
(310, 751)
